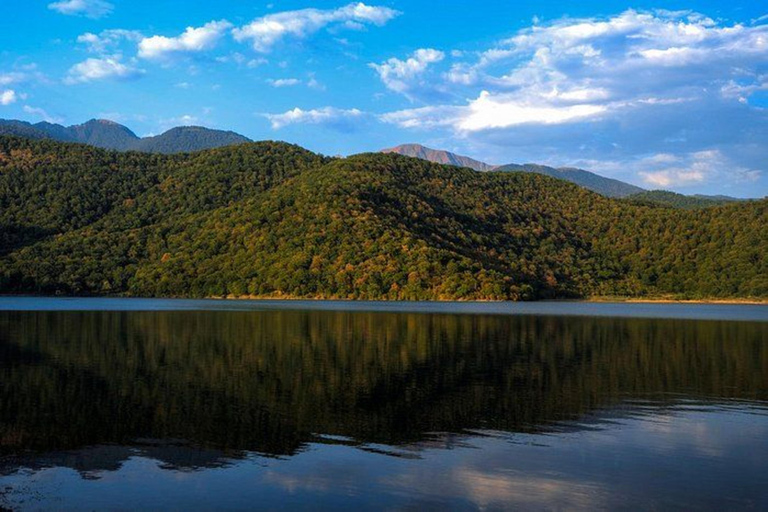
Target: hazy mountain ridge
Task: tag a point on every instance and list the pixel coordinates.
(107, 134)
(273, 219)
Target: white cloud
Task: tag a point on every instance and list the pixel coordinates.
(254, 63)
(284, 82)
(577, 69)
(263, 33)
(403, 75)
(106, 39)
(607, 89)
(42, 114)
(329, 116)
(664, 170)
(8, 97)
(88, 8)
(12, 78)
(679, 171)
(502, 111)
(192, 40)
(314, 83)
(100, 69)
(185, 120)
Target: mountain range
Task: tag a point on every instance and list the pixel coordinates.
(110, 135)
(107, 134)
(273, 219)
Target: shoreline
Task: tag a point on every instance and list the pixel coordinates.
(288, 298)
(664, 300)
(597, 299)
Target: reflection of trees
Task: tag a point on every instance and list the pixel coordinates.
(267, 381)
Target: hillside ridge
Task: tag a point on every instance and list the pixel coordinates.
(106, 134)
(273, 219)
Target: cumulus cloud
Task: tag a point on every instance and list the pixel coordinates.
(183, 120)
(576, 69)
(404, 75)
(8, 97)
(191, 41)
(89, 8)
(636, 83)
(329, 116)
(665, 170)
(263, 33)
(107, 39)
(283, 82)
(101, 69)
(12, 78)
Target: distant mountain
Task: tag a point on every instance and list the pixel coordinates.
(26, 130)
(589, 180)
(438, 156)
(110, 135)
(672, 199)
(102, 134)
(187, 139)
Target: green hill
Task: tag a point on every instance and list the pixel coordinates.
(274, 219)
(672, 199)
(589, 180)
(187, 139)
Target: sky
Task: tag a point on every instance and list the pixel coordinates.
(665, 95)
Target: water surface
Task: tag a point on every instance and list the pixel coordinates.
(124, 404)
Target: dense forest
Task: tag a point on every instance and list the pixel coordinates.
(272, 219)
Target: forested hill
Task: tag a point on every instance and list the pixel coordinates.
(674, 200)
(110, 135)
(273, 219)
(606, 186)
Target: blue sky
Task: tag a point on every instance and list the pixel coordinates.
(661, 94)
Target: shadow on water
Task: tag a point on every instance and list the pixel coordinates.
(198, 389)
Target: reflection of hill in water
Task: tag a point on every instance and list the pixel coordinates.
(92, 461)
(269, 381)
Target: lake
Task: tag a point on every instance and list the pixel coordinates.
(128, 404)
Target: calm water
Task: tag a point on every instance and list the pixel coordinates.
(188, 405)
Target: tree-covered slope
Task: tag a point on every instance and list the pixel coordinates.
(672, 199)
(274, 219)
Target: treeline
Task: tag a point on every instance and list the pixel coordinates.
(272, 219)
(674, 200)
